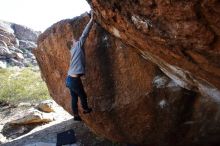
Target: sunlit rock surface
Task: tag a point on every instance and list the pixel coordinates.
(133, 101)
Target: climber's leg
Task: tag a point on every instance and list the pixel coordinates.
(74, 102)
(83, 97)
(71, 84)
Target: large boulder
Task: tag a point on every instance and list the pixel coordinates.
(132, 100)
(181, 37)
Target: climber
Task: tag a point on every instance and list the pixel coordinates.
(76, 70)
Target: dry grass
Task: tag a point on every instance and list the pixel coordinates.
(22, 84)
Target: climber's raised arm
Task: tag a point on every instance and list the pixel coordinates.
(86, 31)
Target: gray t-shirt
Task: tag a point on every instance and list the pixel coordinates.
(77, 61)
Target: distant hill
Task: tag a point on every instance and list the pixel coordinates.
(16, 44)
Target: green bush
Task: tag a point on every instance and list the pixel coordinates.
(22, 84)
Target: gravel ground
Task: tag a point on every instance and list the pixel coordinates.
(45, 135)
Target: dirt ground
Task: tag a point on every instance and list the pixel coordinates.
(45, 135)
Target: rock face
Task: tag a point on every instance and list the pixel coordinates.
(16, 44)
(134, 101)
(181, 37)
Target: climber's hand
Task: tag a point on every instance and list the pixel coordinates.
(92, 14)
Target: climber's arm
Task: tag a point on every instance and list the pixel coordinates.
(86, 31)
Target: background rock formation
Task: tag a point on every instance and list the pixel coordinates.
(16, 44)
(133, 101)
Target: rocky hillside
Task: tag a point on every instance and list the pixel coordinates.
(153, 71)
(16, 44)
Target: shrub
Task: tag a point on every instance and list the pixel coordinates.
(22, 84)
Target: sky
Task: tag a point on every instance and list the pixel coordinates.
(41, 14)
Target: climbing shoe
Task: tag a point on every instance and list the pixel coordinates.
(86, 111)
